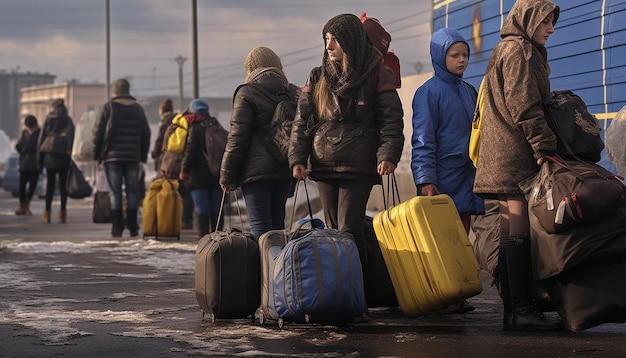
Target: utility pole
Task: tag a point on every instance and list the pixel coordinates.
(107, 81)
(194, 47)
(180, 60)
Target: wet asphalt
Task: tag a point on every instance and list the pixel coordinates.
(69, 290)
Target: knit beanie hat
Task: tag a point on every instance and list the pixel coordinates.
(350, 33)
(261, 57)
(199, 106)
(361, 57)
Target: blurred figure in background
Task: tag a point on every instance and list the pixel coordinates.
(122, 146)
(166, 114)
(29, 173)
(55, 151)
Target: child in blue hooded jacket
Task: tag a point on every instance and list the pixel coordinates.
(443, 110)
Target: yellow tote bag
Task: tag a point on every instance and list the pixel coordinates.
(474, 143)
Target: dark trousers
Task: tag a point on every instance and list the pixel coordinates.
(344, 203)
(51, 175)
(30, 178)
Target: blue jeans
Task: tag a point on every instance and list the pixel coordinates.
(207, 200)
(265, 201)
(126, 173)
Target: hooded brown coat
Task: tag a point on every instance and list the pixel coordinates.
(514, 129)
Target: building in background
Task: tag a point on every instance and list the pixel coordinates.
(78, 97)
(11, 84)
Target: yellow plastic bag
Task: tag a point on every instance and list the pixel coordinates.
(475, 136)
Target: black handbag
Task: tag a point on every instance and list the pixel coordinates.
(77, 186)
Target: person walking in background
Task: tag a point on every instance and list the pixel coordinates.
(515, 139)
(266, 184)
(26, 146)
(348, 126)
(55, 150)
(121, 141)
(443, 110)
(195, 173)
(166, 113)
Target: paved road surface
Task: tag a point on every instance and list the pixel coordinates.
(70, 290)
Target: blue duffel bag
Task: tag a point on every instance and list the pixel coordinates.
(318, 277)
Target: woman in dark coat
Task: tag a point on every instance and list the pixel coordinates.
(29, 173)
(265, 182)
(348, 126)
(55, 150)
(515, 138)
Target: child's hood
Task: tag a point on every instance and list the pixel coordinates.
(440, 42)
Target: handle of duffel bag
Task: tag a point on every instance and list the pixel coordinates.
(314, 222)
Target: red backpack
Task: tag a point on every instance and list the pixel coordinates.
(380, 38)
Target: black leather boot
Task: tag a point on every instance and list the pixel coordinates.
(117, 219)
(131, 221)
(514, 271)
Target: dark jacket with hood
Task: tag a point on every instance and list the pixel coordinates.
(443, 109)
(27, 147)
(57, 124)
(514, 130)
(157, 150)
(124, 134)
(245, 158)
(366, 126)
(194, 163)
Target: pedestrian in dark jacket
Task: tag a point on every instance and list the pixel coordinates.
(166, 114)
(55, 150)
(26, 146)
(266, 183)
(195, 173)
(515, 138)
(348, 126)
(121, 141)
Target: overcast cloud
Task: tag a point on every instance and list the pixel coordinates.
(67, 38)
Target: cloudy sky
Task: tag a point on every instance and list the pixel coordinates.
(67, 38)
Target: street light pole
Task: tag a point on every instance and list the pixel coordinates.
(194, 48)
(180, 60)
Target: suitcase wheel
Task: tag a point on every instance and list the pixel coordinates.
(307, 318)
(281, 322)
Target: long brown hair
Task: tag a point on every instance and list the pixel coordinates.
(324, 100)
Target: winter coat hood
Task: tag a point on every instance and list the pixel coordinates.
(531, 13)
(439, 45)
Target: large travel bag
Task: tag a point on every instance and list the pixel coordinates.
(317, 277)
(162, 209)
(378, 287)
(428, 254)
(227, 275)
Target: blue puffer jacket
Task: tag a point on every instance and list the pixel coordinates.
(443, 110)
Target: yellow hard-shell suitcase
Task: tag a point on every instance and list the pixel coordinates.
(428, 254)
(162, 209)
